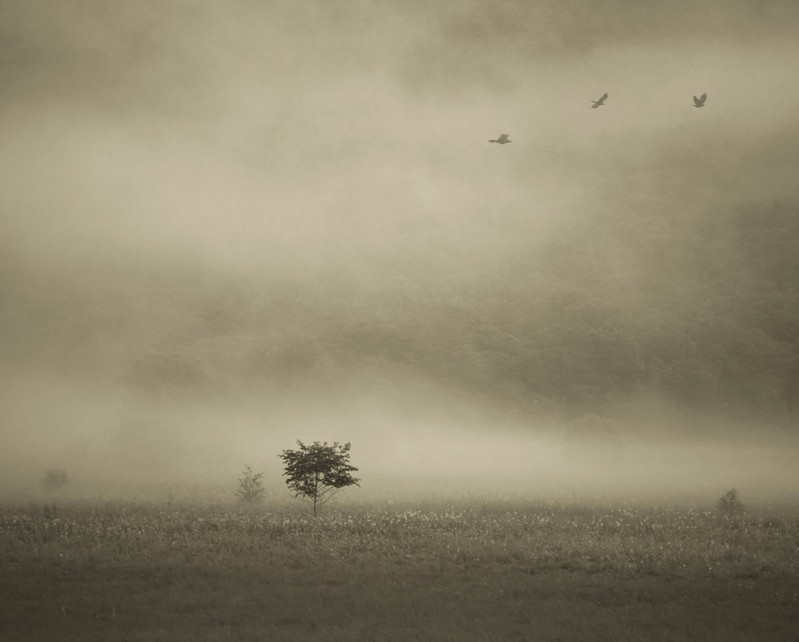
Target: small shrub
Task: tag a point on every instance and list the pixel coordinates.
(251, 487)
(730, 505)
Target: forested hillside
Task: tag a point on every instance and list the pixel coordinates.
(700, 308)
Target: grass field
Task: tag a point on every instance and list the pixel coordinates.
(116, 571)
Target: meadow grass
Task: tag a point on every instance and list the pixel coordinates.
(460, 572)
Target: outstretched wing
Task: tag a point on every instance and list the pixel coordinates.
(503, 138)
(703, 98)
(604, 98)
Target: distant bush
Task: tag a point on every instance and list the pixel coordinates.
(730, 504)
(251, 487)
(55, 480)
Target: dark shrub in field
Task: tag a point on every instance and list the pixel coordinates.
(730, 505)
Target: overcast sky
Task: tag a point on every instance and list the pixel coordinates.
(243, 132)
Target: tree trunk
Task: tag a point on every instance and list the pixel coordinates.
(315, 494)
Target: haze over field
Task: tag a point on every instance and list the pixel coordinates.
(226, 226)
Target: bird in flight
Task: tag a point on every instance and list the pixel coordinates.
(700, 102)
(502, 139)
(600, 102)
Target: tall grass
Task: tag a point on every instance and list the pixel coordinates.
(625, 540)
(465, 571)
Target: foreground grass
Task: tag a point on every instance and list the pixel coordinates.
(539, 573)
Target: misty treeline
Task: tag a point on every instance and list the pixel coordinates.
(699, 307)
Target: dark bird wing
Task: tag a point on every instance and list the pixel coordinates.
(502, 138)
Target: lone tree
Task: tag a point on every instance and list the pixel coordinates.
(318, 471)
(251, 487)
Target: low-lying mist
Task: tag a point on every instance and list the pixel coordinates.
(423, 444)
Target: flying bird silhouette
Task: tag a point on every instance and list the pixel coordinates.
(700, 102)
(600, 102)
(502, 139)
